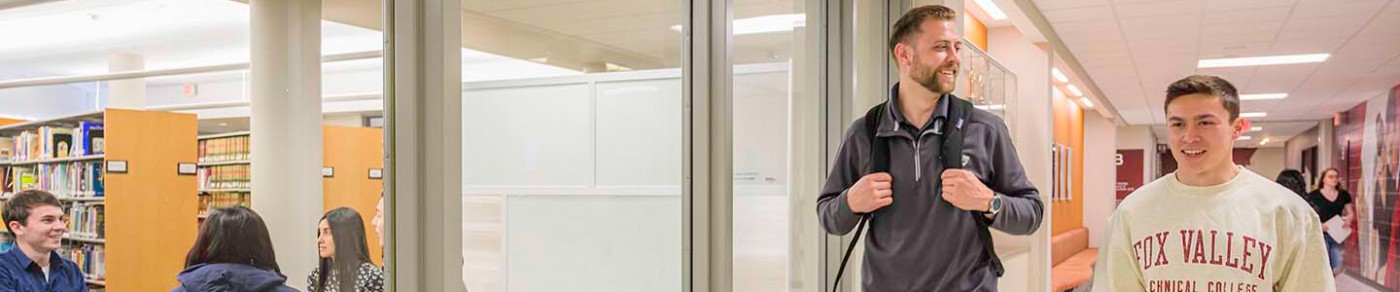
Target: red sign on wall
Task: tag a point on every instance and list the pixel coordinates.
(1129, 164)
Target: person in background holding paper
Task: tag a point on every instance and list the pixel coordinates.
(1212, 225)
(1335, 209)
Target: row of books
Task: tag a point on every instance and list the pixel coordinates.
(87, 220)
(213, 200)
(224, 149)
(225, 177)
(64, 180)
(91, 258)
(54, 142)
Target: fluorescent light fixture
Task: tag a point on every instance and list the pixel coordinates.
(1265, 141)
(1059, 76)
(1085, 100)
(1242, 138)
(764, 24)
(1256, 129)
(1261, 61)
(1253, 115)
(1263, 96)
(991, 9)
(1074, 90)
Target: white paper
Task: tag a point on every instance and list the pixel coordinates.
(1337, 229)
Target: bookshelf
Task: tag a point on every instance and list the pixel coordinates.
(121, 244)
(351, 151)
(225, 171)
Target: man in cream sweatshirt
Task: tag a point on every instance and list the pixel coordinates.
(1211, 225)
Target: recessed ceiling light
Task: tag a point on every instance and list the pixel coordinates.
(1086, 101)
(1263, 96)
(223, 124)
(1265, 141)
(1059, 76)
(1253, 115)
(991, 9)
(1261, 61)
(1242, 138)
(1074, 90)
(1256, 129)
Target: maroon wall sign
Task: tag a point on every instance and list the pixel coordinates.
(1129, 173)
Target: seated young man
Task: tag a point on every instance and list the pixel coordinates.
(38, 223)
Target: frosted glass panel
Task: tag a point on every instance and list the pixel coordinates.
(593, 243)
(638, 144)
(527, 136)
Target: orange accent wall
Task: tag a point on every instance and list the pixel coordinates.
(1069, 131)
(975, 31)
(4, 121)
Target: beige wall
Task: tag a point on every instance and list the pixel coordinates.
(1031, 132)
(1099, 175)
(1267, 162)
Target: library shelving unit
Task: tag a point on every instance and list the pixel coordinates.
(127, 198)
(225, 171)
(351, 153)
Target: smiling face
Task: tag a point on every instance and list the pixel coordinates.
(43, 230)
(930, 56)
(1201, 134)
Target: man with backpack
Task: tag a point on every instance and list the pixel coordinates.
(929, 172)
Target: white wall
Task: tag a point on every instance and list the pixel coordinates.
(1031, 133)
(1142, 138)
(1294, 148)
(1100, 173)
(1267, 162)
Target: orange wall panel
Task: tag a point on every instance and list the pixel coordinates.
(1069, 131)
(353, 151)
(975, 32)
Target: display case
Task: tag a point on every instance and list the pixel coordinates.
(987, 84)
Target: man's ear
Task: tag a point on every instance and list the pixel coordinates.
(14, 227)
(1241, 125)
(903, 54)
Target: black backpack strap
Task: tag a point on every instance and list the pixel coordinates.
(879, 162)
(959, 115)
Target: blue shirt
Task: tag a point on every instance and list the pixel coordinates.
(19, 273)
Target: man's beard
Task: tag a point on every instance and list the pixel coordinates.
(928, 78)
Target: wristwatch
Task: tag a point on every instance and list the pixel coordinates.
(995, 205)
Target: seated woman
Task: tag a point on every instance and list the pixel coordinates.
(345, 264)
(233, 253)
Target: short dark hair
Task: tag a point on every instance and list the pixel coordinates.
(909, 23)
(233, 235)
(17, 208)
(1206, 84)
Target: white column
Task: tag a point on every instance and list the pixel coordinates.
(424, 146)
(286, 127)
(129, 93)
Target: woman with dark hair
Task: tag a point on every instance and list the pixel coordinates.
(1330, 200)
(1293, 180)
(345, 264)
(232, 253)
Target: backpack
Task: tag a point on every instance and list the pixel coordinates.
(950, 154)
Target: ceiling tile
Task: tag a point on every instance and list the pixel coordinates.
(1270, 14)
(1080, 14)
(1299, 28)
(1158, 9)
(1244, 4)
(1063, 4)
(1320, 9)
